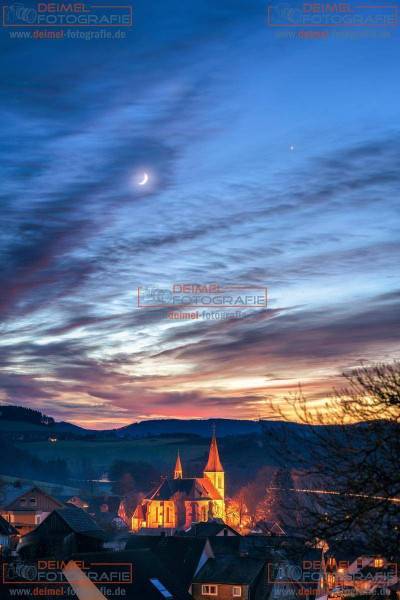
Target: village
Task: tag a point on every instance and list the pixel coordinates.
(175, 543)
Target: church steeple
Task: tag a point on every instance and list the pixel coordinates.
(214, 462)
(214, 469)
(178, 473)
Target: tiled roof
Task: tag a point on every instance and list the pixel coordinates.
(209, 529)
(46, 502)
(230, 569)
(78, 520)
(180, 555)
(197, 488)
(147, 566)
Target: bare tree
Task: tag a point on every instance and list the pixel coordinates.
(347, 460)
(237, 512)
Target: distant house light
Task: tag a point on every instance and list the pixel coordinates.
(378, 563)
(161, 588)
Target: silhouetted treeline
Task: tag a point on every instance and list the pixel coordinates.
(20, 413)
(129, 476)
(19, 463)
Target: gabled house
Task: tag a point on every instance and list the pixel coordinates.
(64, 531)
(235, 577)
(28, 508)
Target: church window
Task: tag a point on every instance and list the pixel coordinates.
(157, 514)
(219, 481)
(168, 514)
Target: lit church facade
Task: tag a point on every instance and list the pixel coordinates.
(177, 503)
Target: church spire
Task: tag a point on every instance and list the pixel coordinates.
(214, 470)
(178, 473)
(214, 463)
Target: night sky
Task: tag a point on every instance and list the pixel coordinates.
(272, 162)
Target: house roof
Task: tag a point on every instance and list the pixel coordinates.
(180, 555)
(214, 462)
(150, 574)
(13, 504)
(224, 545)
(272, 527)
(77, 519)
(195, 488)
(11, 493)
(6, 528)
(231, 570)
(208, 529)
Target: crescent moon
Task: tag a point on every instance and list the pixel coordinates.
(144, 180)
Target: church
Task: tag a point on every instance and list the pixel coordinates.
(180, 501)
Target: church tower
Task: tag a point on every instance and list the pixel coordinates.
(178, 473)
(213, 469)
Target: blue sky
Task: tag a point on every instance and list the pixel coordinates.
(272, 162)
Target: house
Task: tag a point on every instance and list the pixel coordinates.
(379, 574)
(353, 566)
(183, 557)
(28, 507)
(64, 531)
(298, 572)
(181, 501)
(8, 537)
(230, 577)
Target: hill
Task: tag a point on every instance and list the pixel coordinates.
(224, 427)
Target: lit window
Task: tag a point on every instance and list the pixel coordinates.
(378, 563)
(237, 591)
(209, 590)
